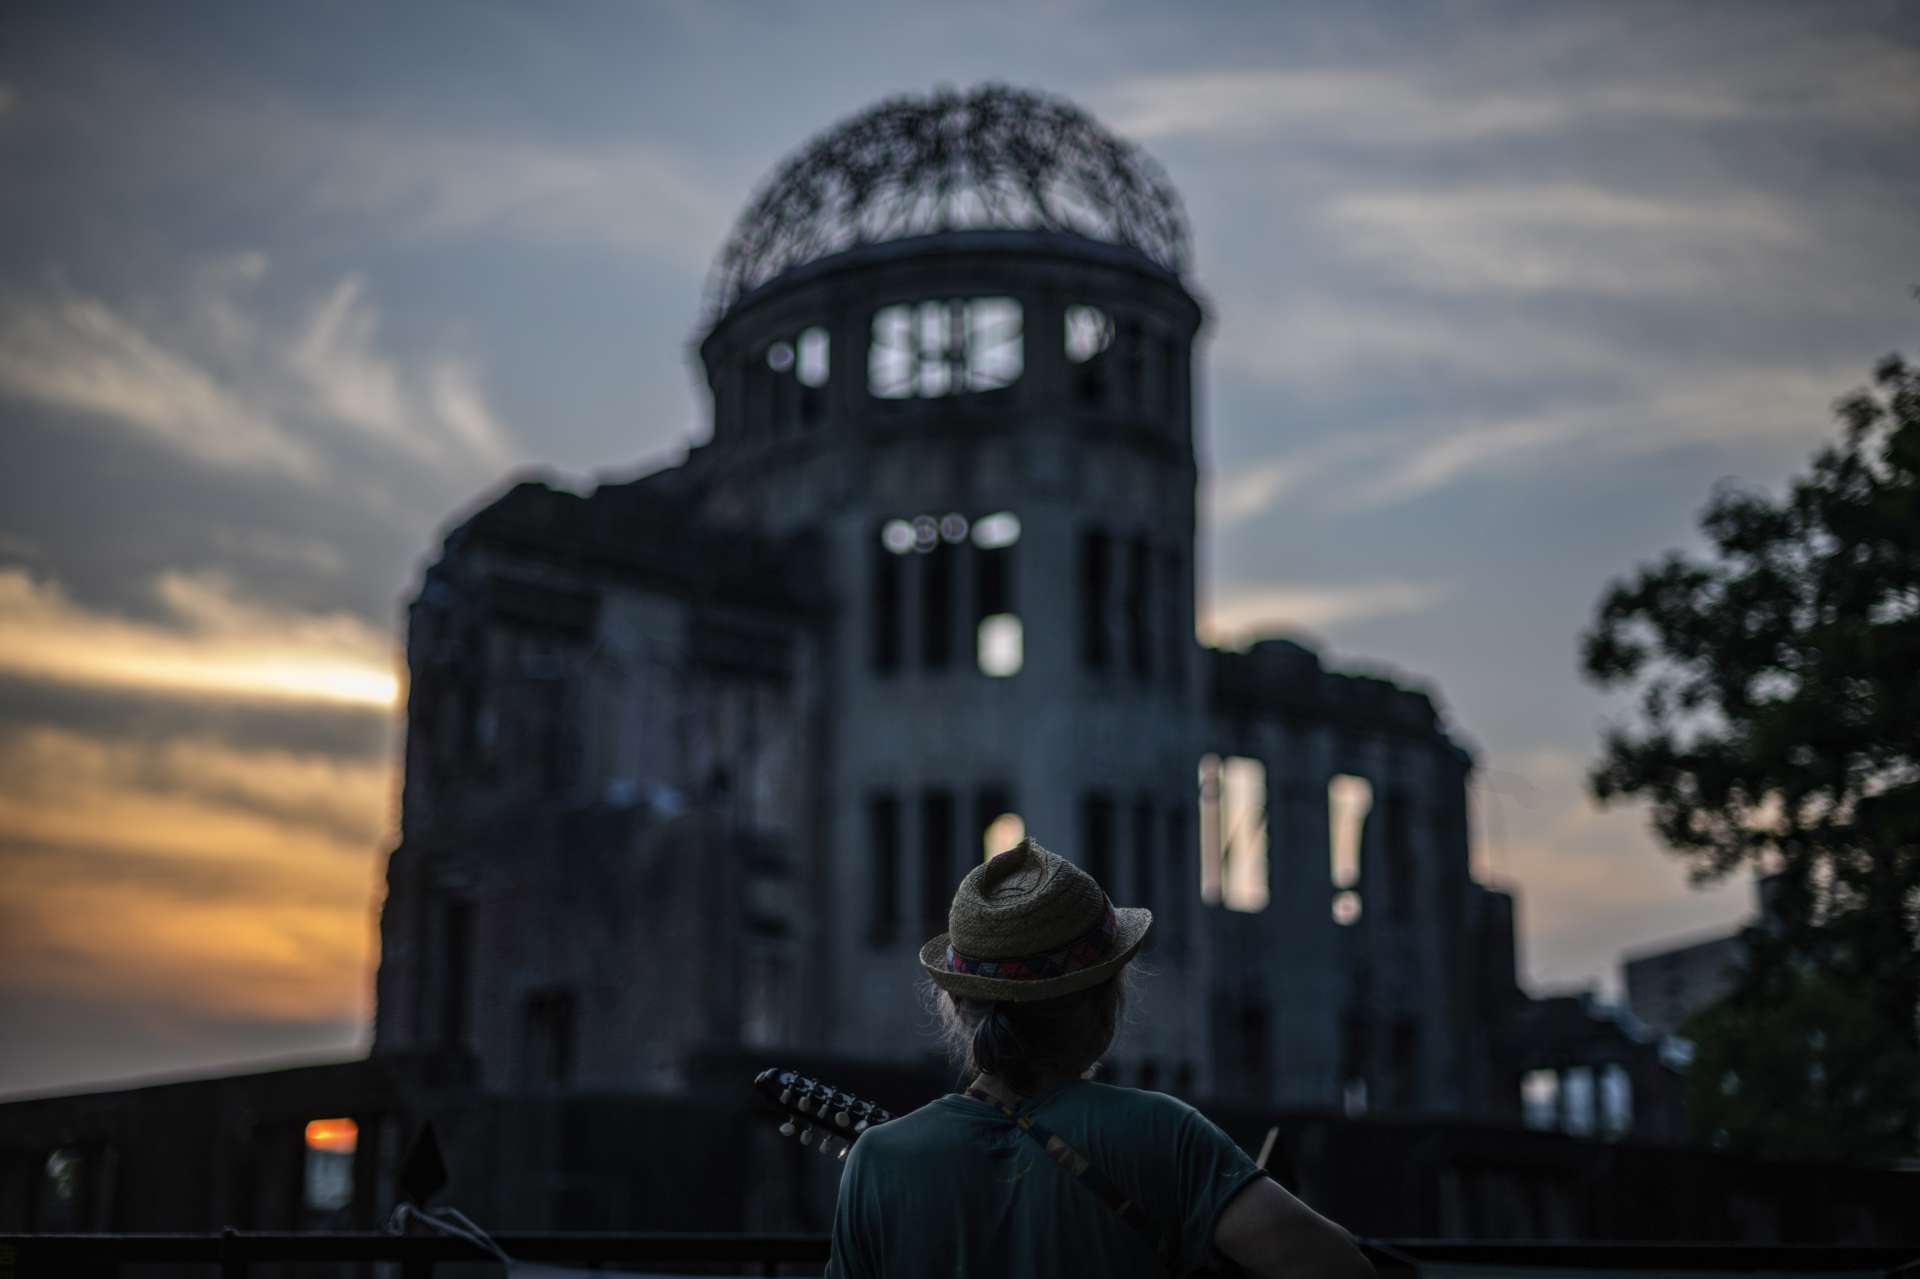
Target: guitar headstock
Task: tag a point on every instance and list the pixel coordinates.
(823, 1117)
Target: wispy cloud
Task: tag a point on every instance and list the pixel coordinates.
(1251, 490)
(1384, 467)
(350, 381)
(213, 645)
(1558, 236)
(80, 355)
(1240, 615)
(1395, 106)
(1846, 81)
(631, 197)
(235, 389)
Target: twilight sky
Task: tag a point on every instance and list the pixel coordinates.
(1497, 294)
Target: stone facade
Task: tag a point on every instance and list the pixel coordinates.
(697, 760)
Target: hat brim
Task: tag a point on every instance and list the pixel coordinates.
(1130, 929)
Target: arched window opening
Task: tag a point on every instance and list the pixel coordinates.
(999, 636)
(1349, 801)
(1577, 1101)
(1089, 332)
(1540, 1100)
(811, 352)
(1001, 645)
(1616, 1101)
(1003, 832)
(1233, 832)
(925, 350)
(328, 1183)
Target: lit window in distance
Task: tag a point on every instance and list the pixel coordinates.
(1346, 907)
(780, 357)
(341, 1136)
(329, 1173)
(1243, 833)
(897, 536)
(1004, 832)
(1540, 1100)
(1002, 644)
(991, 532)
(812, 357)
(1349, 800)
(1089, 332)
(945, 347)
(994, 356)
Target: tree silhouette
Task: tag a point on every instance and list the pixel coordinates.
(1779, 728)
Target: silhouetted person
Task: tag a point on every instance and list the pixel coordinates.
(1035, 1170)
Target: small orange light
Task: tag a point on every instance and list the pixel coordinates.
(339, 1136)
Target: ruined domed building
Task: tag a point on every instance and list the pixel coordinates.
(697, 759)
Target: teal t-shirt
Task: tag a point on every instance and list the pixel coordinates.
(956, 1189)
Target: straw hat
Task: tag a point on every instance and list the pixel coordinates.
(1029, 925)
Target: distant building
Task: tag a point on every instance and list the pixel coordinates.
(1665, 987)
(696, 760)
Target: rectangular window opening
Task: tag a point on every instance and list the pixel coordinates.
(1349, 800)
(1211, 830)
(883, 844)
(936, 607)
(1401, 871)
(1540, 1100)
(1095, 549)
(1173, 612)
(549, 1038)
(1243, 838)
(1140, 607)
(1172, 920)
(944, 347)
(937, 877)
(328, 1182)
(885, 603)
(457, 971)
(999, 636)
(1096, 837)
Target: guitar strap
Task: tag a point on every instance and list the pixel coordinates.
(1008, 1103)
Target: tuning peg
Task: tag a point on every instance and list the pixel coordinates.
(861, 1127)
(787, 1129)
(829, 1146)
(786, 1096)
(806, 1135)
(843, 1118)
(842, 1156)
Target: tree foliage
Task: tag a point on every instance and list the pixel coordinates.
(1779, 725)
(1801, 1070)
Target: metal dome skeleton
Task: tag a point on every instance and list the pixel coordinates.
(997, 157)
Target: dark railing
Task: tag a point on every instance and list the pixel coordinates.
(236, 1252)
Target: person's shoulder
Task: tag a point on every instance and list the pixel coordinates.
(1139, 1098)
(1155, 1109)
(932, 1126)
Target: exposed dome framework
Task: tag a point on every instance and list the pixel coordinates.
(997, 157)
